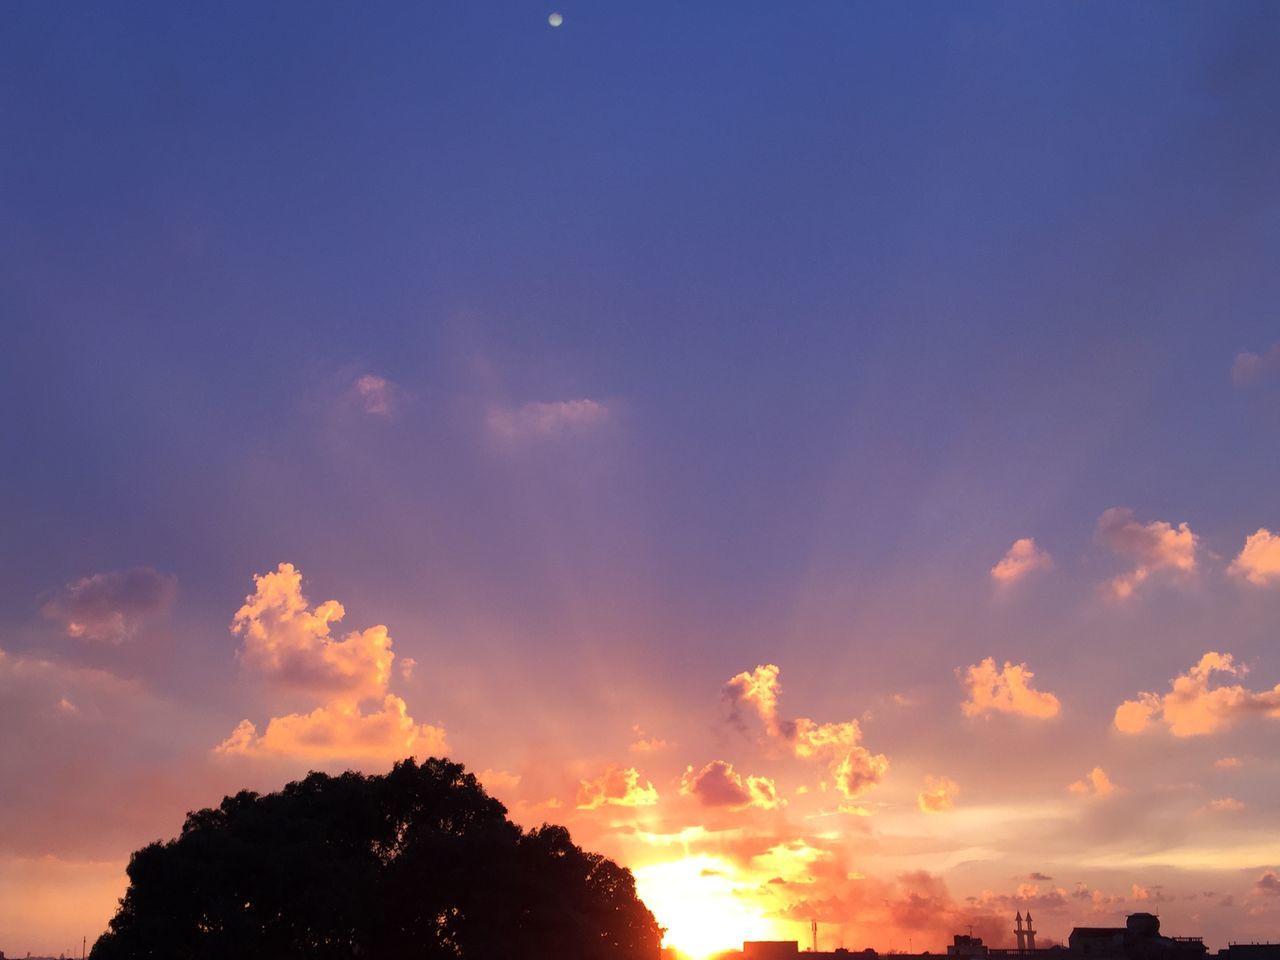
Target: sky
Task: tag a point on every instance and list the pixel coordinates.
(825, 454)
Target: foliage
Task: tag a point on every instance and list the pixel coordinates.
(418, 862)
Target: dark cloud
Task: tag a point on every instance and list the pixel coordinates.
(111, 607)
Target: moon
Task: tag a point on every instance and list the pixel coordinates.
(555, 19)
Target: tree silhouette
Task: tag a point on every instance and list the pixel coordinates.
(418, 862)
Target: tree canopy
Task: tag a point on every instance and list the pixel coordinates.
(418, 862)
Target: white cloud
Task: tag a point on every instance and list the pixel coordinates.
(1021, 559)
(1153, 547)
(112, 607)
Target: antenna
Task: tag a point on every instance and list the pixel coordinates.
(813, 926)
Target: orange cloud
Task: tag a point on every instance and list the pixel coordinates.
(1259, 560)
(339, 731)
(291, 645)
(1155, 546)
(1007, 690)
(1023, 558)
(111, 607)
(1229, 763)
(719, 785)
(938, 795)
(646, 744)
(854, 768)
(1194, 708)
(618, 787)
(1095, 784)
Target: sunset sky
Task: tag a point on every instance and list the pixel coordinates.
(825, 454)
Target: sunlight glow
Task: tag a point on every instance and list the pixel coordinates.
(699, 902)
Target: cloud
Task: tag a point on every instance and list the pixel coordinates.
(1192, 707)
(938, 795)
(617, 787)
(1007, 690)
(1249, 367)
(1229, 763)
(854, 768)
(498, 779)
(1095, 784)
(291, 645)
(1023, 558)
(377, 396)
(340, 730)
(1224, 805)
(719, 785)
(533, 421)
(1259, 560)
(407, 666)
(1153, 547)
(1267, 885)
(112, 607)
(646, 744)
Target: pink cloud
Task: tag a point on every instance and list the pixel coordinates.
(1259, 560)
(112, 607)
(1007, 690)
(1193, 706)
(376, 395)
(291, 644)
(546, 420)
(854, 768)
(1095, 784)
(1249, 367)
(1021, 559)
(938, 795)
(340, 730)
(1153, 547)
(719, 785)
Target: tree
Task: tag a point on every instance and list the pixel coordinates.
(419, 862)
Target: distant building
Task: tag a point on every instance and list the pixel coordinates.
(1138, 939)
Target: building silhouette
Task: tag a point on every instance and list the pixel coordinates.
(1139, 939)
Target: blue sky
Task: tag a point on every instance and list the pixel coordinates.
(849, 297)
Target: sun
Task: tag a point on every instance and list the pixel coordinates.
(698, 901)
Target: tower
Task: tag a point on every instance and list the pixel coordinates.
(1018, 932)
(813, 925)
(1031, 933)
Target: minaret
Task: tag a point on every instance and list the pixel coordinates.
(1031, 933)
(1022, 937)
